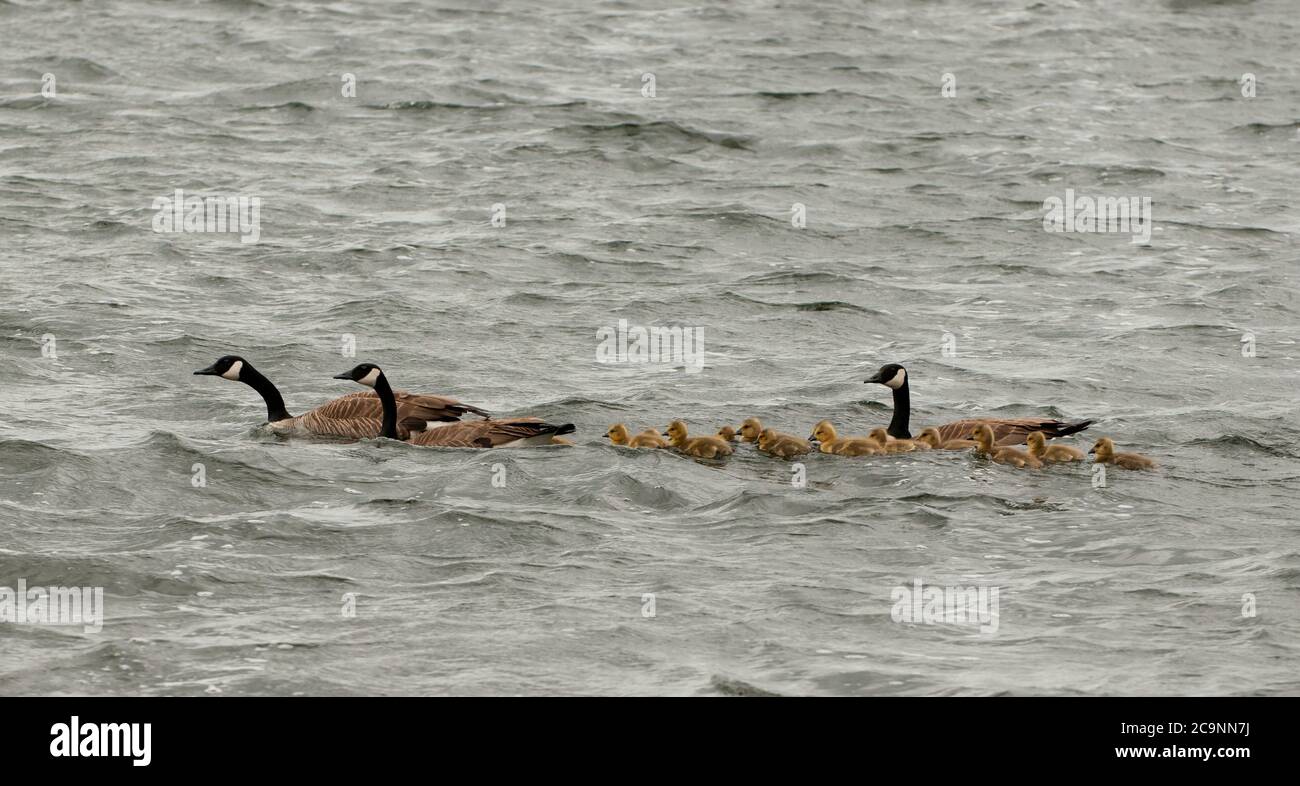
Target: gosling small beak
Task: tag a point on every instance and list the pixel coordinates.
(210, 371)
(1091, 451)
(345, 375)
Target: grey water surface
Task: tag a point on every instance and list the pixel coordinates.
(326, 567)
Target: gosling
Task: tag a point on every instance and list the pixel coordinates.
(699, 447)
(983, 436)
(618, 435)
(1052, 454)
(753, 427)
(892, 445)
(930, 436)
(781, 445)
(1105, 453)
(831, 442)
(728, 433)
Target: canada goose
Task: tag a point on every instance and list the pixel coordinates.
(881, 437)
(356, 415)
(1105, 453)
(511, 432)
(930, 436)
(782, 445)
(699, 447)
(619, 435)
(831, 442)
(983, 436)
(728, 433)
(1011, 431)
(1052, 454)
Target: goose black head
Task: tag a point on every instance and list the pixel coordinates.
(891, 376)
(226, 367)
(365, 374)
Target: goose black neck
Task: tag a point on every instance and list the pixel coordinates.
(275, 410)
(902, 412)
(389, 401)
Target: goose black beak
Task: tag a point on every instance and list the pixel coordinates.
(210, 371)
(345, 375)
(875, 378)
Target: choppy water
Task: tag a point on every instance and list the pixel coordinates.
(924, 218)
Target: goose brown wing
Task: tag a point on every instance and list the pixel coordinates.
(440, 408)
(356, 415)
(413, 409)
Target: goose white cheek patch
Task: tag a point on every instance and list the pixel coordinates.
(233, 371)
(898, 380)
(369, 379)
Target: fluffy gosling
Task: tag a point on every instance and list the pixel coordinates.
(930, 436)
(831, 442)
(699, 447)
(892, 445)
(782, 445)
(1052, 454)
(619, 435)
(983, 436)
(1105, 453)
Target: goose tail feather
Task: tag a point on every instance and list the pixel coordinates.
(1071, 428)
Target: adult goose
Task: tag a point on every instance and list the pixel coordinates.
(511, 432)
(1009, 431)
(356, 415)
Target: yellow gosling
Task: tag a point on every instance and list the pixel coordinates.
(699, 447)
(832, 442)
(1105, 453)
(782, 445)
(619, 435)
(931, 437)
(890, 444)
(728, 433)
(983, 436)
(1052, 454)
